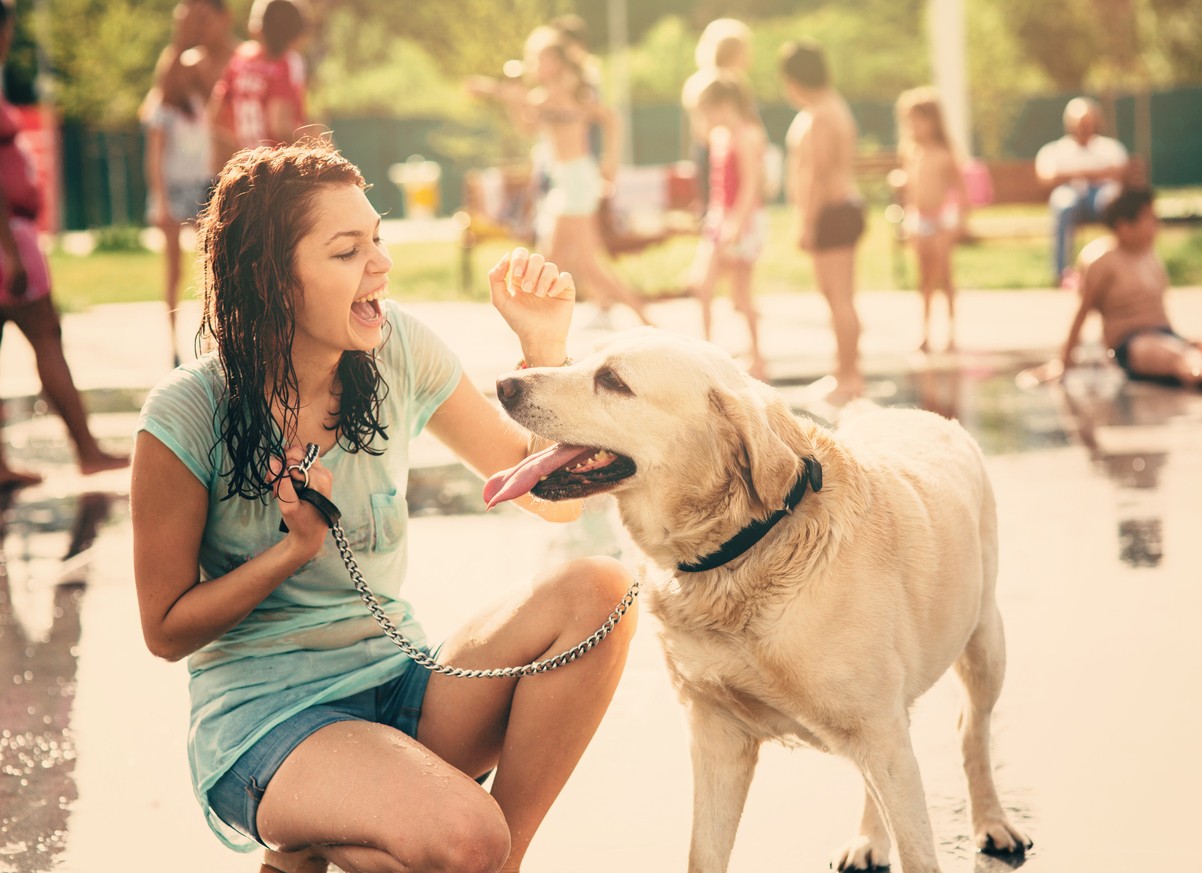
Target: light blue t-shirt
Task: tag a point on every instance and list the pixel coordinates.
(312, 639)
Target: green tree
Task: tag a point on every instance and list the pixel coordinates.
(1107, 44)
(102, 54)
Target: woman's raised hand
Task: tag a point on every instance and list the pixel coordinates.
(536, 301)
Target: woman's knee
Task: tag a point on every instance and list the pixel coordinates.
(591, 588)
(476, 841)
(472, 837)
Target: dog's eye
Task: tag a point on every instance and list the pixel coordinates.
(610, 381)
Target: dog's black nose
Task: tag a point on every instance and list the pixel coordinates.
(509, 390)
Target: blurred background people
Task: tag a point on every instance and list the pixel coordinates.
(560, 108)
(935, 199)
(724, 44)
(1084, 170)
(735, 225)
(828, 210)
(260, 98)
(25, 290)
(1124, 280)
(178, 148)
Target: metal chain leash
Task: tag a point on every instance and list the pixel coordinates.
(417, 655)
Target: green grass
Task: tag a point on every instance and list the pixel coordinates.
(432, 271)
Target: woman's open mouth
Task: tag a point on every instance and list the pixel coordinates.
(369, 309)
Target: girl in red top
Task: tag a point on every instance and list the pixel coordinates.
(260, 99)
(735, 225)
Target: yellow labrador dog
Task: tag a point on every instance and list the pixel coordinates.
(820, 580)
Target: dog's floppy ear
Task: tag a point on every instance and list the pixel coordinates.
(767, 466)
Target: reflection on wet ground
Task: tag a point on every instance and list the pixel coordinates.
(37, 748)
(1097, 484)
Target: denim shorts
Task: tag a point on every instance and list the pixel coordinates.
(397, 703)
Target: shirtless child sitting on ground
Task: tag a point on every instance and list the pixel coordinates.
(1125, 281)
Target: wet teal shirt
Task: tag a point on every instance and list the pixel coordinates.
(312, 639)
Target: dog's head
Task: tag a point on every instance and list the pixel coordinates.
(653, 411)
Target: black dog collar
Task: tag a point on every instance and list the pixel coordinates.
(811, 477)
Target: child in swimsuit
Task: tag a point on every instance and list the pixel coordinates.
(1124, 279)
(935, 199)
(735, 226)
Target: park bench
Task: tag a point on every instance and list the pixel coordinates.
(648, 205)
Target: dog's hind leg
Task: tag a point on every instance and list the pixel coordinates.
(981, 667)
(869, 849)
(724, 759)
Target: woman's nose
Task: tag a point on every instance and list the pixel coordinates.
(382, 262)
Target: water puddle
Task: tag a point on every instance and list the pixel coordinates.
(1129, 440)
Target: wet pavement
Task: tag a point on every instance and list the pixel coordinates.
(1099, 486)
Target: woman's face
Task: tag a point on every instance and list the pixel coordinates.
(342, 270)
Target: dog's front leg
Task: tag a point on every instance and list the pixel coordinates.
(869, 849)
(724, 758)
(886, 758)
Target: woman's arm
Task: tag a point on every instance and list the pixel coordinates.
(169, 508)
(536, 301)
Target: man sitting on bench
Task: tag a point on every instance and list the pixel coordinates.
(1084, 170)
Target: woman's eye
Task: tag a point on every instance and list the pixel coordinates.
(609, 380)
(346, 256)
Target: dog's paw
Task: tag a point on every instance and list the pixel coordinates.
(999, 837)
(862, 853)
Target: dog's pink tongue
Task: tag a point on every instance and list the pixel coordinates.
(518, 480)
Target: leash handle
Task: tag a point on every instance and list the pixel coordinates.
(312, 496)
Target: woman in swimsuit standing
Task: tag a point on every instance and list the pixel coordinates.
(561, 107)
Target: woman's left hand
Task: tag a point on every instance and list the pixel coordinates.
(536, 301)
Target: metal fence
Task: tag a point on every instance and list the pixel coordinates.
(104, 182)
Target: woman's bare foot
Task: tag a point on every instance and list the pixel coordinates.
(99, 462)
(17, 479)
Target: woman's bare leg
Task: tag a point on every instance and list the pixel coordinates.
(365, 796)
(535, 730)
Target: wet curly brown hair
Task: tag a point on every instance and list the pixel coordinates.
(261, 207)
